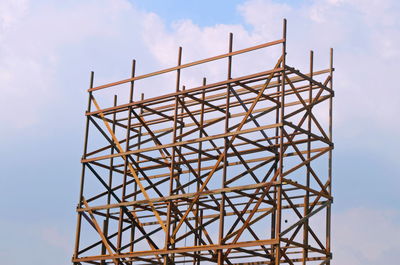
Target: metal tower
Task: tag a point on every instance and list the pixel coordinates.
(236, 171)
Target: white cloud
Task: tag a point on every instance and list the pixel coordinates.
(265, 16)
(365, 35)
(36, 38)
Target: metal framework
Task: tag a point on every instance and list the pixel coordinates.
(232, 172)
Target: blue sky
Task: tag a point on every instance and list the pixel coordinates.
(48, 48)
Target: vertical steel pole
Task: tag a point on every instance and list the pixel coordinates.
(127, 137)
(110, 177)
(200, 231)
(139, 143)
(111, 162)
(307, 196)
(225, 165)
(328, 209)
(82, 182)
(172, 169)
(275, 169)
(281, 151)
(196, 260)
(103, 247)
(128, 132)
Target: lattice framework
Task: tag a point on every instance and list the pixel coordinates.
(233, 172)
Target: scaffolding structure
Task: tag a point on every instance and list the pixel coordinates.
(232, 172)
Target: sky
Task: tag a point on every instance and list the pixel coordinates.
(48, 48)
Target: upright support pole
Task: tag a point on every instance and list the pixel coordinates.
(110, 181)
(128, 133)
(82, 182)
(307, 196)
(225, 162)
(168, 239)
(139, 143)
(281, 151)
(328, 208)
(127, 138)
(196, 259)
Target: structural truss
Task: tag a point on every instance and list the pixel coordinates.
(236, 171)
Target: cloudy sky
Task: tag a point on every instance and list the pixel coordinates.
(48, 48)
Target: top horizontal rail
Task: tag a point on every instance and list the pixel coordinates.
(185, 92)
(253, 48)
